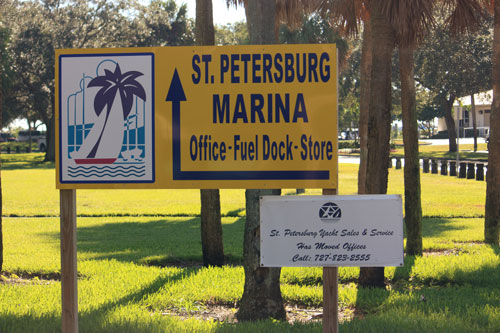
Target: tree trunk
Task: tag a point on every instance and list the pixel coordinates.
(261, 17)
(1, 200)
(205, 34)
(413, 205)
(211, 227)
(474, 123)
(364, 101)
(30, 139)
(262, 295)
(50, 155)
(450, 122)
(379, 120)
(492, 208)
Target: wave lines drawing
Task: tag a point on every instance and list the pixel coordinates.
(107, 171)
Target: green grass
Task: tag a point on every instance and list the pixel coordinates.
(139, 255)
(118, 288)
(441, 151)
(438, 151)
(33, 193)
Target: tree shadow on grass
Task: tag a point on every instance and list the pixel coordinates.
(25, 161)
(95, 320)
(177, 239)
(435, 227)
(234, 213)
(98, 315)
(165, 241)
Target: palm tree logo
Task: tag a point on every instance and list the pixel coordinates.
(112, 105)
(111, 83)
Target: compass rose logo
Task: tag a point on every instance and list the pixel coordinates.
(330, 212)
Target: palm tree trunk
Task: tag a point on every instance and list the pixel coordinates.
(450, 122)
(1, 200)
(413, 205)
(262, 295)
(211, 226)
(474, 121)
(492, 208)
(364, 101)
(379, 120)
(50, 155)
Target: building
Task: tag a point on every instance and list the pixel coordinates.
(462, 107)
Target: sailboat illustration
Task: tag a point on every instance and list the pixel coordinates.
(112, 105)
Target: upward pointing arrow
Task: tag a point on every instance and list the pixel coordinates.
(176, 96)
(176, 92)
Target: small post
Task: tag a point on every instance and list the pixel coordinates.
(453, 168)
(425, 165)
(69, 289)
(330, 292)
(398, 163)
(471, 170)
(444, 167)
(434, 166)
(480, 171)
(462, 170)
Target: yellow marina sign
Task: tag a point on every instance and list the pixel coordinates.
(197, 117)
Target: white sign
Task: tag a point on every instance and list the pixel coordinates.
(306, 231)
(106, 129)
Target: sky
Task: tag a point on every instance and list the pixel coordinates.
(222, 15)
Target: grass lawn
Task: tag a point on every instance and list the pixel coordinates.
(438, 151)
(139, 255)
(33, 193)
(441, 151)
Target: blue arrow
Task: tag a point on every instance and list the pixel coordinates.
(176, 95)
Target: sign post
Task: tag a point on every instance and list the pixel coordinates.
(330, 291)
(69, 288)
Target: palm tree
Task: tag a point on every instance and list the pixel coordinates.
(211, 227)
(262, 294)
(411, 19)
(111, 84)
(1, 123)
(492, 207)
